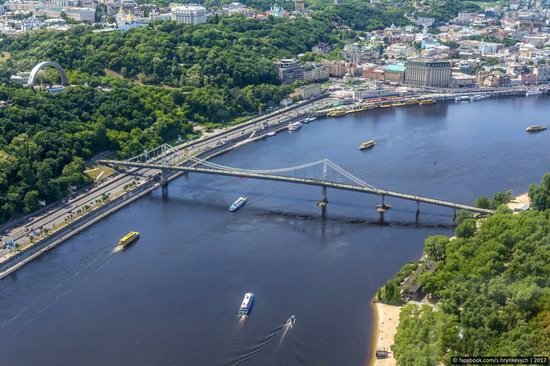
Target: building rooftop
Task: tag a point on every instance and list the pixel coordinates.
(395, 68)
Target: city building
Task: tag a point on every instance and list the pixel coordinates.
(336, 68)
(366, 93)
(428, 73)
(299, 6)
(289, 70)
(394, 73)
(314, 71)
(189, 14)
(308, 91)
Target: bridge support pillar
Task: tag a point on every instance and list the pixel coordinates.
(323, 203)
(454, 215)
(417, 212)
(381, 211)
(164, 185)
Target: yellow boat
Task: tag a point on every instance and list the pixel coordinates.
(336, 113)
(398, 104)
(426, 101)
(367, 145)
(128, 239)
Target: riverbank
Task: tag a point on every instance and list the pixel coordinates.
(384, 328)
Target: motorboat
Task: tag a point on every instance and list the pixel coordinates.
(367, 145)
(237, 204)
(535, 128)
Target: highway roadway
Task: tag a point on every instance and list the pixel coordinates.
(114, 185)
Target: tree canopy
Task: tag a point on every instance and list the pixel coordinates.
(491, 290)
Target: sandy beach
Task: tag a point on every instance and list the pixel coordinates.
(386, 319)
(519, 200)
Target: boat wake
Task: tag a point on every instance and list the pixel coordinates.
(257, 348)
(242, 319)
(270, 349)
(50, 298)
(286, 328)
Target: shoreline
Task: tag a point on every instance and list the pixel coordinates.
(384, 327)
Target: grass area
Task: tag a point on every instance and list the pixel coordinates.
(97, 172)
(483, 4)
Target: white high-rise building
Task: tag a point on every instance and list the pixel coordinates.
(189, 14)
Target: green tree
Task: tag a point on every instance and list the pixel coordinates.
(483, 202)
(31, 201)
(466, 228)
(539, 194)
(435, 247)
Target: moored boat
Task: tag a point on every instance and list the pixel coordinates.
(128, 239)
(367, 145)
(237, 204)
(246, 305)
(533, 92)
(271, 133)
(535, 128)
(294, 126)
(426, 101)
(336, 113)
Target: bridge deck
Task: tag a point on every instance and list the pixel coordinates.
(307, 181)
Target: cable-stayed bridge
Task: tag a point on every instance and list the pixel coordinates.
(322, 173)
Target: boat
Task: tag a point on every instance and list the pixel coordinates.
(311, 119)
(237, 204)
(386, 206)
(462, 98)
(246, 305)
(291, 320)
(399, 104)
(426, 101)
(382, 353)
(367, 145)
(271, 133)
(128, 239)
(535, 128)
(385, 106)
(294, 126)
(530, 93)
(336, 113)
(478, 97)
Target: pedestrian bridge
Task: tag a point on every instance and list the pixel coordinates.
(322, 173)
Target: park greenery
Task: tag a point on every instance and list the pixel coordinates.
(490, 290)
(136, 89)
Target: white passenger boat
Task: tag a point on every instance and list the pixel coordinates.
(246, 305)
(271, 133)
(237, 204)
(294, 126)
(533, 92)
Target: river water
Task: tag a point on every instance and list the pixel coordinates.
(172, 297)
